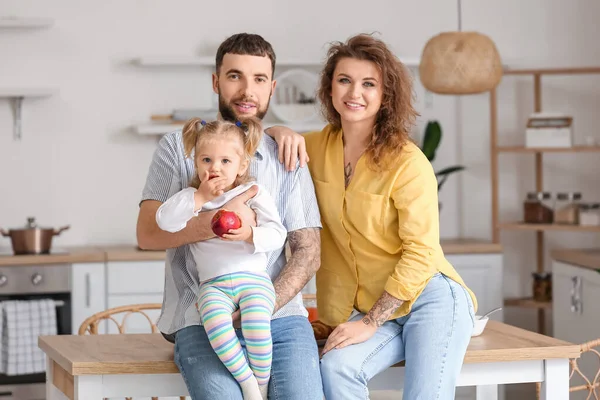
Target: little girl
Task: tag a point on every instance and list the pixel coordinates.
(231, 270)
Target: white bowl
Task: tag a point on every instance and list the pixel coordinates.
(479, 326)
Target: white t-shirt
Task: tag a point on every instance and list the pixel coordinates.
(216, 257)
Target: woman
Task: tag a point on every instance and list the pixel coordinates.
(384, 283)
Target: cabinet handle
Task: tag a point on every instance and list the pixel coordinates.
(88, 294)
(576, 301)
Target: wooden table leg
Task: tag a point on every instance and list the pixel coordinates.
(486, 392)
(556, 380)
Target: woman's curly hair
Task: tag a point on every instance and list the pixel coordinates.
(396, 115)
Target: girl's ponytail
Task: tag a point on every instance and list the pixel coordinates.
(190, 133)
(191, 130)
(253, 129)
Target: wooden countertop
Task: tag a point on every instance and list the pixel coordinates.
(152, 354)
(586, 258)
(130, 252)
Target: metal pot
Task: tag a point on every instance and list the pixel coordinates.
(32, 239)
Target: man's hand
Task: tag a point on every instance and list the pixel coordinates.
(350, 333)
(292, 146)
(238, 205)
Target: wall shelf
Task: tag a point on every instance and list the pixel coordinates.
(161, 129)
(25, 23)
(18, 95)
(496, 150)
(520, 226)
(574, 149)
(186, 61)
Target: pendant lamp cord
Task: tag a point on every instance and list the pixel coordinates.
(459, 16)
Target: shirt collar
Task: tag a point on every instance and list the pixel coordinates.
(261, 149)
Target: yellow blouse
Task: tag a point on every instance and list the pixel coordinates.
(381, 233)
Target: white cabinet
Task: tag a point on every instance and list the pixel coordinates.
(482, 273)
(88, 292)
(576, 296)
(135, 282)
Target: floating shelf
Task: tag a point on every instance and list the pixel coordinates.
(161, 129)
(26, 92)
(574, 149)
(520, 226)
(18, 95)
(183, 61)
(528, 302)
(25, 23)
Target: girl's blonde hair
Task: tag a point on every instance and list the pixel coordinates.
(249, 131)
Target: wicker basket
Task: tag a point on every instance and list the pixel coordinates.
(460, 63)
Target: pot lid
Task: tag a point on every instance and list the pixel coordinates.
(31, 224)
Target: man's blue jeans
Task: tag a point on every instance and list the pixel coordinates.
(295, 372)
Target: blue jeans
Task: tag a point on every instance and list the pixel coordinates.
(294, 374)
(432, 339)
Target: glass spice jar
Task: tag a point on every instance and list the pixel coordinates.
(537, 208)
(589, 214)
(542, 286)
(566, 208)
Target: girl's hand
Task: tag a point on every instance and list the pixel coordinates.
(292, 146)
(209, 189)
(350, 333)
(243, 233)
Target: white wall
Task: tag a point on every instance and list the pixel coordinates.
(80, 163)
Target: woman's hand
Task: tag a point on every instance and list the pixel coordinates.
(348, 333)
(292, 146)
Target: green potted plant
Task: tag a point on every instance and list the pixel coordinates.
(431, 142)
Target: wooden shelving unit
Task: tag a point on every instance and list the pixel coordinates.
(495, 151)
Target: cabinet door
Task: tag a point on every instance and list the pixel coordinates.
(482, 273)
(88, 292)
(576, 295)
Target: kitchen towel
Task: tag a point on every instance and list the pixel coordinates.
(22, 322)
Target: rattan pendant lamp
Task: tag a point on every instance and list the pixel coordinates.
(460, 62)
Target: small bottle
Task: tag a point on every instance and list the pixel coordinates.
(589, 214)
(566, 208)
(538, 208)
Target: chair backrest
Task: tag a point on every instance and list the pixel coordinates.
(591, 386)
(90, 325)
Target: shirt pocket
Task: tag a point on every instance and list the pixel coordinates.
(330, 201)
(365, 212)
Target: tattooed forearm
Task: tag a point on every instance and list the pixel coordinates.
(382, 309)
(305, 248)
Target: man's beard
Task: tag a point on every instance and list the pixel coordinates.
(228, 113)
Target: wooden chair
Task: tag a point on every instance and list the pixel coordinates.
(591, 386)
(90, 325)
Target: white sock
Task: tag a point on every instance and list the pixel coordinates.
(264, 390)
(250, 389)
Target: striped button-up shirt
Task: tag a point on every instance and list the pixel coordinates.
(294, 195)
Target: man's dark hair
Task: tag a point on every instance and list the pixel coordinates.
(246, 44)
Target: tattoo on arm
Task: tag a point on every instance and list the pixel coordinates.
(305, 248)
(347, 174)
(382, 309)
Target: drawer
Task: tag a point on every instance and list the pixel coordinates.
(136, 322)
(136, 277)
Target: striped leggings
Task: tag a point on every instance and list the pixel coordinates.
(254, 294)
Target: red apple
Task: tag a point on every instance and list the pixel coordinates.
(223, 221)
